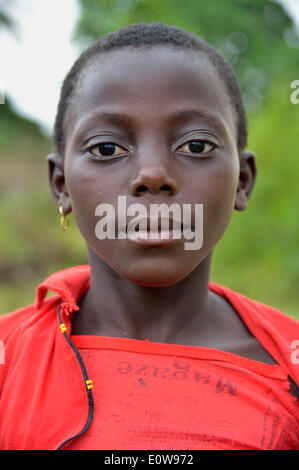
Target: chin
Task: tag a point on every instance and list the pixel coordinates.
(155, 277)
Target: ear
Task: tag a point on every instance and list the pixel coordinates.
(57, 182)
(247, 177)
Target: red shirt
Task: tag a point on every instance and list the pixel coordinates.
(160, 396)
(145, 395)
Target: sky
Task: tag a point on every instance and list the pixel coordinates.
(35, 61)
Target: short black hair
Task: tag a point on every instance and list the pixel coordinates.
(151, 34)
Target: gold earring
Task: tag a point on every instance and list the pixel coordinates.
(64, 221)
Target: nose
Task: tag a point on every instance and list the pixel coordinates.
(153, 179)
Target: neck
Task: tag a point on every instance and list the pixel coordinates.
(114, 306)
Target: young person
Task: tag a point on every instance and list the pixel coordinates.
(138, 349)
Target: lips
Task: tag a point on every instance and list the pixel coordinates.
(154, 225)
(153, 232)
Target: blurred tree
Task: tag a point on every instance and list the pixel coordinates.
(6, 20)
(13, 124)
(257, 36)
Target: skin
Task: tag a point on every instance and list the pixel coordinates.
(160, 292)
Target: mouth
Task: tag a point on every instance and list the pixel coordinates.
(154, 225)
(158, 231)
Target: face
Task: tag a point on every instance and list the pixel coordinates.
(157, 127)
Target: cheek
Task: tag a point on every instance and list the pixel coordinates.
(219, 205)
(85, 191)
(88, 188)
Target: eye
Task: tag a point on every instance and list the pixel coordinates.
(107, 149)
(196, 146)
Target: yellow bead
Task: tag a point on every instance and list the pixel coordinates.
(63, 327)
(89, 384)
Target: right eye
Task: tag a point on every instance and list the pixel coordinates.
(107, 149)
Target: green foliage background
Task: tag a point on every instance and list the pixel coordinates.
(258, 254)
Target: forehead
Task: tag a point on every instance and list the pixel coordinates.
(151, 84)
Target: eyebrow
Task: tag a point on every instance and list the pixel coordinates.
(191, 114)
(122, 119)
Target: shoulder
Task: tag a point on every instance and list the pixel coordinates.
(24, 318)
(257, 313)
(22, 331)
(68, 285)
(275, 330)
(9, 321)
(271, 318)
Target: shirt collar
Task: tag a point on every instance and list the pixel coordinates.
(70, 284)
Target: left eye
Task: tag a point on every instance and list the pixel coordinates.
(107, 149)
(196, 146)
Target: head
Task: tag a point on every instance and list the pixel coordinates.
(153, 113)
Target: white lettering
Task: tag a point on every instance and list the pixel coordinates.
(138, 226)
(115, 460)
(295, 94)
(295, 354)
(2, 352)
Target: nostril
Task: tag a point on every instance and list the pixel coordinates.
(141, 188)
